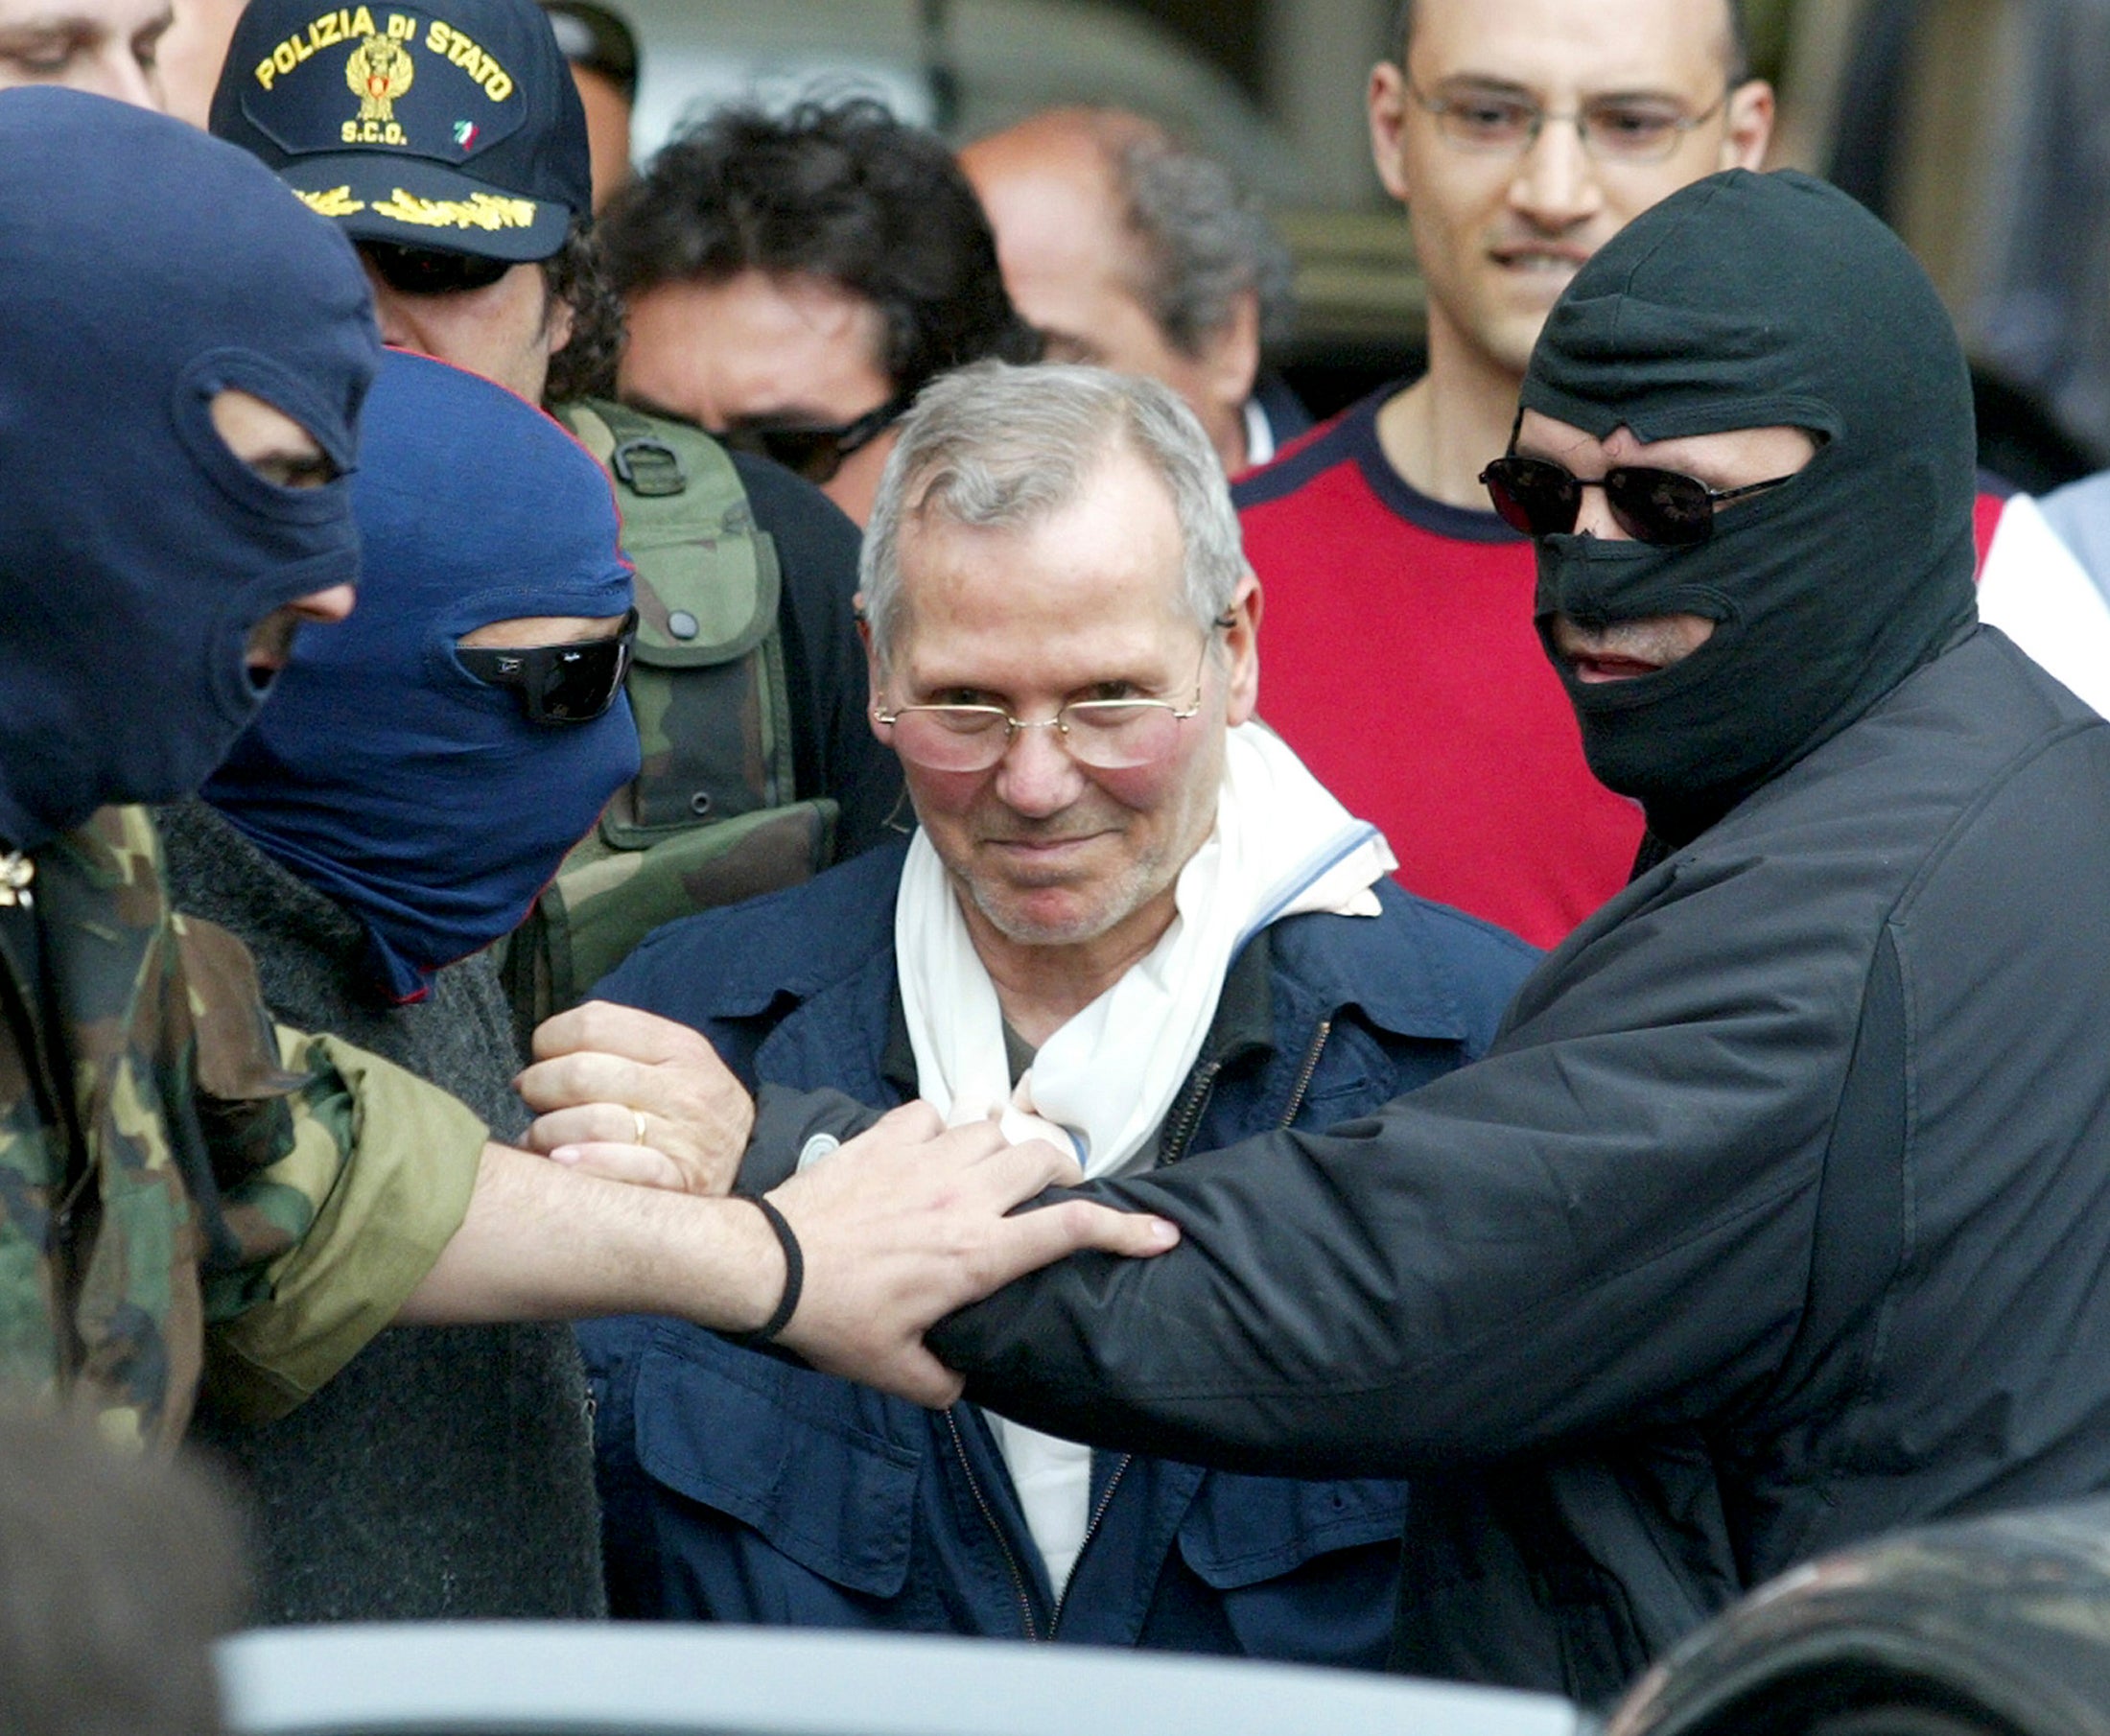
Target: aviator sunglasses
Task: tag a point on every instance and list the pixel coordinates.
(558, 683)
(1543, 498)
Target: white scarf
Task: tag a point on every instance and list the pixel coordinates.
(1104, 1082)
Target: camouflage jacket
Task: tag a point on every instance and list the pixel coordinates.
(187, 1192)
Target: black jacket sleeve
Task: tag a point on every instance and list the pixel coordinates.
(835, 751)
(1606, 1224)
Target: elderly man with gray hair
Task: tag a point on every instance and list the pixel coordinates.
(1129, 922)
(1128, 248)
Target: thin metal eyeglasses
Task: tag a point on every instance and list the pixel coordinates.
(1612, 129)
(1106, 735)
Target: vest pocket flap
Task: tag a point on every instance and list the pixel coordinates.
(701, 600)
(1242, 1530)
(825, 1470)
(708, 579)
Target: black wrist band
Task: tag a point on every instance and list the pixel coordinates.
(794, 1278)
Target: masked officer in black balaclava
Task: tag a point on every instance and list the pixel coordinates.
(1779, 1212)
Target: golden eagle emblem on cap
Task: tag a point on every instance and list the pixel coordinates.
(378, 72)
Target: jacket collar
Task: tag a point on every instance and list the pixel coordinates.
(1392, 968)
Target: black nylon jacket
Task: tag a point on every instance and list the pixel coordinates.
(1778, 1214)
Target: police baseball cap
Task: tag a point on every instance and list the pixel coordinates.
(454, 126)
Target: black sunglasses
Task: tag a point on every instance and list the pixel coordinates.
(1542, 497)
(431, 272)
(815, 453)
(558, 683)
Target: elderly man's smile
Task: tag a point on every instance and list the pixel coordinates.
(1047, 853)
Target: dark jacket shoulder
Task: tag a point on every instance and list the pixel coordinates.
(1419, 973)
(1420, 970)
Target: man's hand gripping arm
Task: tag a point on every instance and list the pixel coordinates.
(898, 1229)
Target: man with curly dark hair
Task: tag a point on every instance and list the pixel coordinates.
(794, 280)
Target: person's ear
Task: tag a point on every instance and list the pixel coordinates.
(558, 319)
(875, 682)
(1242, 646)
(1750, 128)
(1387, 100)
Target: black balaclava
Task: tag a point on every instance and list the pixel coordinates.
(144, 267)
(1752, 301)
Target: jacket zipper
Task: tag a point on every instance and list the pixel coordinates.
(1182, 1123)
(1011, 1562)
(1098, 1514)
(1186, 1114)
(1304, 1072)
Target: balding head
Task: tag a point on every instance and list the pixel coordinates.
(1129, 250)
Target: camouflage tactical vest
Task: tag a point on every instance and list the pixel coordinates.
(141, 1114)
(711, 817)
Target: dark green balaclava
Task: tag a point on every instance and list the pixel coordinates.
(1752, 301)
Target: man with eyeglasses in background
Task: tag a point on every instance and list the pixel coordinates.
(1520, 136)
(1133, 923)
(793, 281)
(450, 143)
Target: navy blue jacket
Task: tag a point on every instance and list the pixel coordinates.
(739, 1486)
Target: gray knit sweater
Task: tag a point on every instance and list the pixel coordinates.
(447, 1471)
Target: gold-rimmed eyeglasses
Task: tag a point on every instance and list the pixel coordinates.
(1493, 121)
(1106, 735)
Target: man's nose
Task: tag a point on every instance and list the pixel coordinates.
(397, 326)
(1037, 775)
(119, 75)
(395, 329)
(331, 605)
(1594, 517)
(1556, 181)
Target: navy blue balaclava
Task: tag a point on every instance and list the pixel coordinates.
(385, 774)
(144, 267)
(1749, 301)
